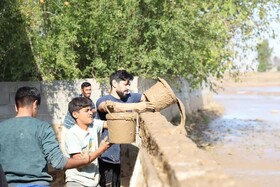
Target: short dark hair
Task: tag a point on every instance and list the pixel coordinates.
(26, 95)
(120, 75)
(77, 104)
(85, 84)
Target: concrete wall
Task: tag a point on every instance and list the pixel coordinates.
(57, 94)
(55, 98)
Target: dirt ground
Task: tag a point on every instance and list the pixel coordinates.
(251, 154)
(251, 79)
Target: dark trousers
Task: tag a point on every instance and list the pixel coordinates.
(109, 174)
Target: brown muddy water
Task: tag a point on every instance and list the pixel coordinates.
(245, 140)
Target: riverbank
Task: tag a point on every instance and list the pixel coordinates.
(242, 134)
(197, 124)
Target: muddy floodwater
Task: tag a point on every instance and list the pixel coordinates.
(246, 138)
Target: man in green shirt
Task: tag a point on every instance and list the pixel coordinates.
(27, 144)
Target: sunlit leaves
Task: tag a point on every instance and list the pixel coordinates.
(81, 38)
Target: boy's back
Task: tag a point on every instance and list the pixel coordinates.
(24, 140)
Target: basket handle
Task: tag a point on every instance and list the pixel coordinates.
(182, 114)
(106, 107)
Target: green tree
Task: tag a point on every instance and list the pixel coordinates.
(81, 38)
(264, 54)
(16, 57)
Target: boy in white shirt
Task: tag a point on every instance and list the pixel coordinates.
(82, 139)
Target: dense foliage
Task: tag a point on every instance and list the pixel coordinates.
(57, 39)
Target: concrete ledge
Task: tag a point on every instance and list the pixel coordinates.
(150, 173)
(177, 159)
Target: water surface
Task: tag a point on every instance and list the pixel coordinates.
(247, 136)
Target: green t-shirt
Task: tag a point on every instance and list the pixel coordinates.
(26, 146)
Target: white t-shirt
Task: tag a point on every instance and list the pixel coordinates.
(78, 140)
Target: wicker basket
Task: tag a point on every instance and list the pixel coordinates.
(122, 127)
(161, 95)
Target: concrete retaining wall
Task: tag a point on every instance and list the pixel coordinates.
(167, 158)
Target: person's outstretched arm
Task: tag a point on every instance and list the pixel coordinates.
(76, 163)
(122, 107)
